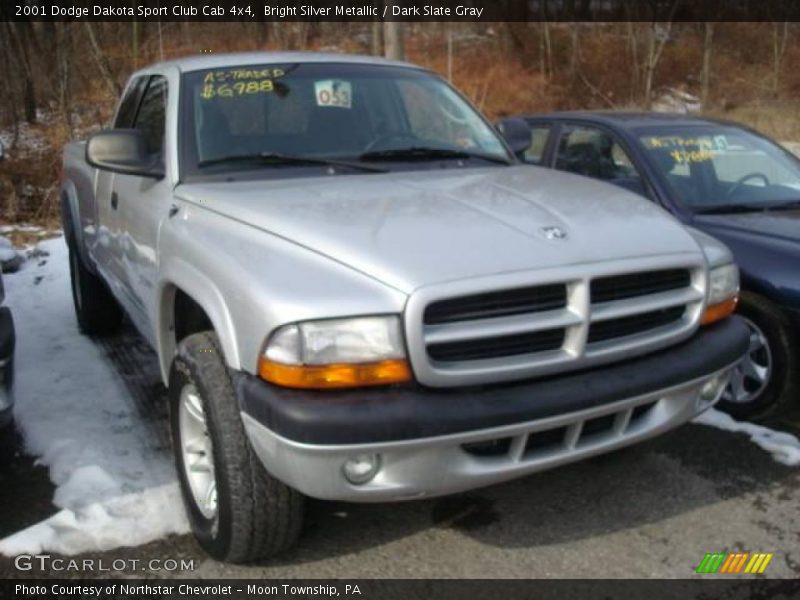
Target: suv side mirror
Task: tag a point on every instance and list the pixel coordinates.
(517, 134)
(123, 151)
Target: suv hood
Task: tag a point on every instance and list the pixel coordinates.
(410, 229)
(773, 225)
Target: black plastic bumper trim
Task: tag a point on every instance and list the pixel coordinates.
(373, 415)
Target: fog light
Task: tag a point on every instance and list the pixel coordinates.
(360, 469)
(713, 387)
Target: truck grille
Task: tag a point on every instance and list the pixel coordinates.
(516, 331)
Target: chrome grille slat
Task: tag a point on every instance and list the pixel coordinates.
(642, 304)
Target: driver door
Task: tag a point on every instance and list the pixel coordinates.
(140, 205)
(106, 238)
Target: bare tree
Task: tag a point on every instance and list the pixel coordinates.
(376, 40)
(780, 37)
(102, 61)
(705, 72)
(20, 40)
(574, 43)
(657, 36)
(135, 43)
(393, 38)
(633, 47)
(63, 43)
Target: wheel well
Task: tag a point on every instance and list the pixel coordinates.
(188, 316)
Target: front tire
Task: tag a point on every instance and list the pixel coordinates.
(238, 512)
(765, 383)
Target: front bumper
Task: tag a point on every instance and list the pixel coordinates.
(7, 342)
(435, 442)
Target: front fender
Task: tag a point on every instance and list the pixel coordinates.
(71, 221)
(176, 274)
(250, 281)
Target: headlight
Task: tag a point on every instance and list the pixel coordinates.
(336, 353)
(723, 290)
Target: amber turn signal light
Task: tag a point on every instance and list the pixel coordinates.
(336, 376)
(717, 312)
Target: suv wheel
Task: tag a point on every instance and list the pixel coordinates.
(238, 512)
(763, 383)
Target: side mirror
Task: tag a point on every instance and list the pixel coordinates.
(517, 134)
(2, 150)
(122, 151)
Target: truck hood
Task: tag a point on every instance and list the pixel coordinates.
(410, 229)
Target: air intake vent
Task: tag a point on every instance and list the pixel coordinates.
(496, 347)
(617, 328)
(497, 304)
(632, 285)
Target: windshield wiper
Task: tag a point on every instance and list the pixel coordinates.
(747, 208)
(277, 158)
(789, 205)
(428, 153)
(725, 209)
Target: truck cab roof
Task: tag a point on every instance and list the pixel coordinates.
(199, 62)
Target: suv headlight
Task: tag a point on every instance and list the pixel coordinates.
(336, 353)
(723, 293)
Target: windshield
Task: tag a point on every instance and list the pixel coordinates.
(722, 169)
(268, 117)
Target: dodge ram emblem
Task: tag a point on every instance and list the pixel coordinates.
(554, 233)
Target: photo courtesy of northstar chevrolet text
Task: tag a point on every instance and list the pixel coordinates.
(399, 291)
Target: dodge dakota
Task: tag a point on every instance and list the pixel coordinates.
(357, 292)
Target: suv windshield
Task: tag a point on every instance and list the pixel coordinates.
(348, 118)
(723, 169)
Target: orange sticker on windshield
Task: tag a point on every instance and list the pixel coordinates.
(333, 92)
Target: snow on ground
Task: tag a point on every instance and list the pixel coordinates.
(784, 447)
(115, 484)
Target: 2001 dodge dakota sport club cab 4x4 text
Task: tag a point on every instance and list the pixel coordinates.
(357, 292)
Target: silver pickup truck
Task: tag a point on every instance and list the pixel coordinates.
(357, 292)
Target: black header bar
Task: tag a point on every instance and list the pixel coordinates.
(400, 10)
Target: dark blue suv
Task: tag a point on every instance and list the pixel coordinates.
(723, 179)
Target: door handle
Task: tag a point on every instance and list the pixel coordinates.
(114, 200)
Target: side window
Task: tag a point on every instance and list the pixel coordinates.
(152, 116)
(129, 103)
(535, 152)
(594, 153)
